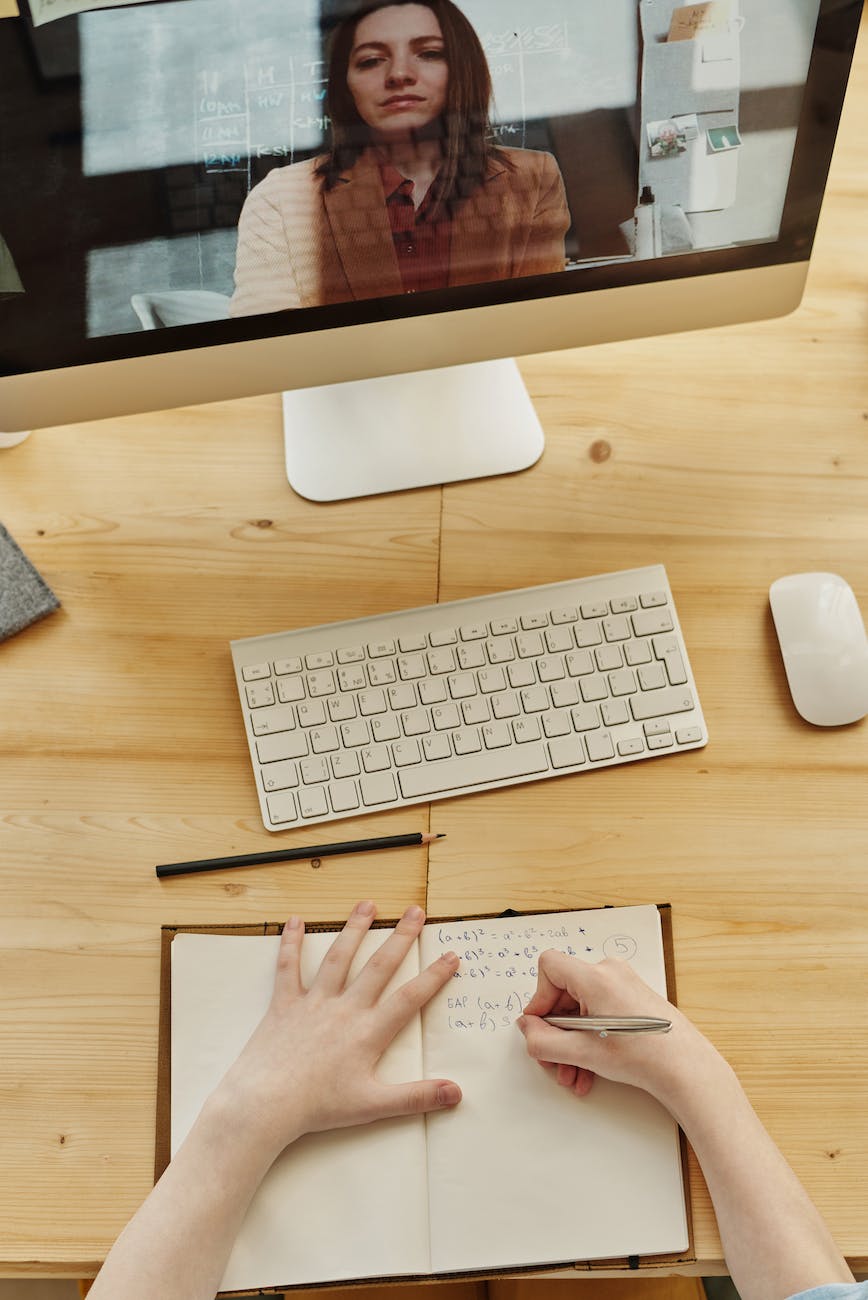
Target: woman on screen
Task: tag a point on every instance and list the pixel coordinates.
(412, 195)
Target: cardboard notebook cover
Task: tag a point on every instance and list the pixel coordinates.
(648, 1263)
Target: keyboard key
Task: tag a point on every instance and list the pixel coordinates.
(637, 652)
(496, 734)
(635, 745)
(312, 802)
(290, 689)
(588, 634)
(408, 644)
(416, 722)
(443, 636)
(354, 733)
(436, 746)
(663, 741)
(376, 758)
(614, 713)
(651, 599)
(259, 694)
(595, 609)
(345, 765)
(475, 711)
(344, 796)
(616, 628)
(442, 661)
(623, 604)
(474, 631)
(557, 723)
(462, 686)
(281, 717)
(471, 656)
(503, 626)
(323, 660)
(385, 726)
(282, 667)
(550, 670)
(314, 770)
(466, 740)
(501, 650)
(279, 776)
(564, 694)
(405, 752)
(382, 672)
(651, 621)
(651, 676)
(521, 674)
(256, 672)
(379, 788)
(352, 654)
(410, 667)
(505, 705)
(352, 678)
(529, 645)
(491, 679)
(599, 746)
(567, 614)
(321, 684)
(381, 649)
(445, 717)
(281, 808)
(341, 707)
(526, 729)
(594, 688)
(585, 717)
(433, 691)
(535, 699)
(324, 739)
(608, 657)
(654, 704)
(370, 702)
(273, 749)
(567, 751)
(460, 773)
(688, 735)
(559, 640)
(622, 682)
(311, 714)
(656, 726)
(529, 621)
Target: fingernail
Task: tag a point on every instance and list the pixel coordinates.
(521, 1024)
(451, 958)
(294, 923)
(366, 908)
(448, 1094)
(413, 913)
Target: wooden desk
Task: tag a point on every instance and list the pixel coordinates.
(732, 456)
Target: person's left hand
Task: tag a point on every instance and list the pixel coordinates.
(311, 1063)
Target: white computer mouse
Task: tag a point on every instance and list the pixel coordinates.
(824, 646)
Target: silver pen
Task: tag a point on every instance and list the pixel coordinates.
(605, 1025)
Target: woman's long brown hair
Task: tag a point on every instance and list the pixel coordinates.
(465, 127)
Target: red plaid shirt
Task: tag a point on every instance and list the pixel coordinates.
(421, 245)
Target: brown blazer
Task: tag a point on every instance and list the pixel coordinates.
(300, 245)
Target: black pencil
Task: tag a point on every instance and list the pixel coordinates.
(296, 854)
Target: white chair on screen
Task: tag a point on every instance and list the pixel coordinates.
(179, 307)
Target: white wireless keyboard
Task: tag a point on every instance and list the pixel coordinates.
(429, 703)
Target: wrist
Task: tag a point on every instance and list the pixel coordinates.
(246, 1135)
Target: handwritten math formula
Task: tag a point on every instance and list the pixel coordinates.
(499, 965)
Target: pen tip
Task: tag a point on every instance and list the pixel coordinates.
(441, 835)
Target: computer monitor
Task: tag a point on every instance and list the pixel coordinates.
(420, 187)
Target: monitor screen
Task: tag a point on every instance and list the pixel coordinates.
(193, 173)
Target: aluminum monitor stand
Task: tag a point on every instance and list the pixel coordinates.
(407, 431)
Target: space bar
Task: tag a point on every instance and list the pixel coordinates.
(458, 773)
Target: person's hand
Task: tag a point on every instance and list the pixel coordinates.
(666, 1065)
(311, 1063)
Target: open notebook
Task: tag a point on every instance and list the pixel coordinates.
(520, 1173)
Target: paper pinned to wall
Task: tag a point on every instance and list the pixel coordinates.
(713, 179)
(46, 11)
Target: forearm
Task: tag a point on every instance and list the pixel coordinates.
(177, 1245)
(774, 1240)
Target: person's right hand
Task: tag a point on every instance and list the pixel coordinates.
(663, 1064)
